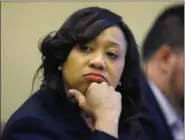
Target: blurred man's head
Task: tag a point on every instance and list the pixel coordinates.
(163, 52)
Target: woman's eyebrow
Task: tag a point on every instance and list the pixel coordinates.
(113, 44)
(108, 44)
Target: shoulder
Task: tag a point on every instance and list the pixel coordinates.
(34, 119)
(33, 127)
(36, 108)
(33, 106)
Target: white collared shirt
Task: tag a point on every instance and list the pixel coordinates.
(173, 120)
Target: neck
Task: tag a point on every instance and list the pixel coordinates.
(158, 78)
(153, 74)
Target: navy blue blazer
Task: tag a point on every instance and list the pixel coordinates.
(43, 117)
(155, 112)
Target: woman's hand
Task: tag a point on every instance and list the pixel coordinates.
(103, 103)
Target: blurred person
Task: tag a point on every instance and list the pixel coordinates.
(90, 88)
(163, 63)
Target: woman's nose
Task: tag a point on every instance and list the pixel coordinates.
(97, 62)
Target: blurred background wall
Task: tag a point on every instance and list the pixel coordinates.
(24, 23)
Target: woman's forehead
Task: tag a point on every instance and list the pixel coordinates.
(113, 36)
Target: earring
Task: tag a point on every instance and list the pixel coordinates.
(119, 83)
(59, 68)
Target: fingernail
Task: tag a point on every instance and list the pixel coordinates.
(71, 91)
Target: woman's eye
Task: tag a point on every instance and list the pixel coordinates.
(85, 48)
(112, 55)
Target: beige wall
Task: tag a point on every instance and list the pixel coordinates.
(23, 23)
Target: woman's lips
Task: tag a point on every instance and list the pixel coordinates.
(95, 77)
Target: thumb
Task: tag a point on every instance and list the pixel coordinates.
(79, 97)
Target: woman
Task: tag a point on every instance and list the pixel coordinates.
(90, 88)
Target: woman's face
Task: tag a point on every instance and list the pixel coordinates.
(101, 59)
